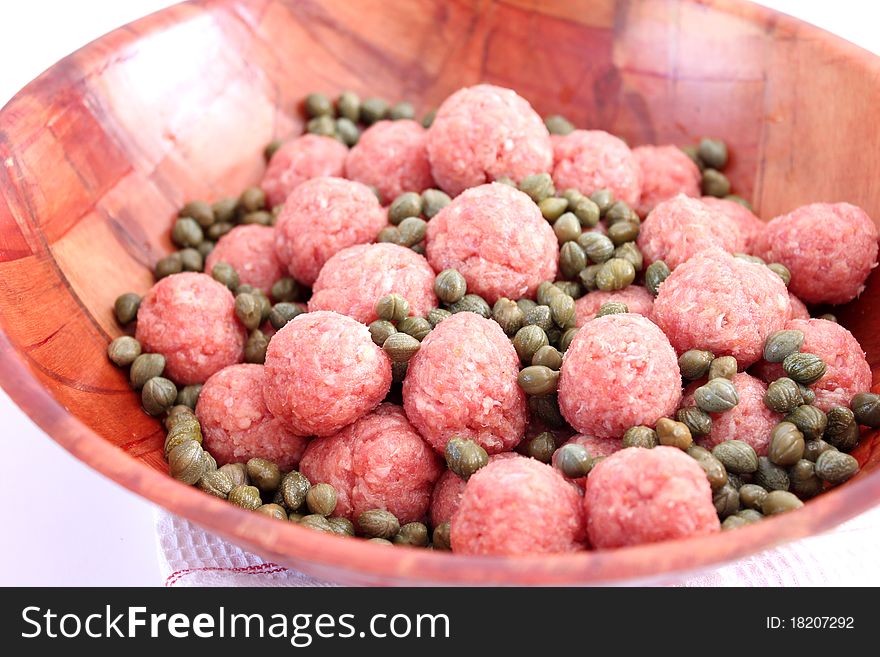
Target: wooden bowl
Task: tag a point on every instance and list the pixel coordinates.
(100, 151)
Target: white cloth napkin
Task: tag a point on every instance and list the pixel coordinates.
(847, 556)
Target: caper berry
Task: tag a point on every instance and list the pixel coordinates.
(471, 303)
(597, 247)
(294, 487)
(378, 523)
(541, 447)
(433, 200)
(866, 408)
(836, 467)
(538, 380)
(783, 396)
(615, 274)
(771, 476)
(752, 496)
(842, 430)
(264, 474)
(187, 462)
(673, 434)
(809, 420)
(715, 183)
(716, 396)
(713, 152)
(450, 286)
(414, 534)
(656, 273)
(400, 347)
(737, 456)
(780, 501)
(464, 457)
(697, 420)
(640, 436)
(538, 186)
(574, 461)
(572, 259)
(321, 499)
(715, 471)
(786, 444)
(440, 537)
(567, 228)
(528, 340)
(144, 368)
(158, 395)
(123, 350)
(726, 500)
(508, 315)
(804, 367)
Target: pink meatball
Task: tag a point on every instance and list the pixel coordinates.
(515, 507)
(463, 382)
(353, 280)
(679, 228)
(666, 171)
(588, 160)
(496, 237)
(250, 249)
(830, 248)
(449, 489)
(483, 133)
(323, 371)
(637, 299)
(391, 156)
(237, 426)
(378, 462)
(724, 304)
(619, 371)
(321, 217)
(647, 495)
(190, 319)
(750, 226)
(597, 447)
(750, 420)
(798, 309)
(847, 370)
(300, 159)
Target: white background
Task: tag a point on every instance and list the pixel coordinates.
(60, 522)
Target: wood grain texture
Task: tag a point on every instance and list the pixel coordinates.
(99, 151)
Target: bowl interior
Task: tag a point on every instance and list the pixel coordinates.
(101, 150)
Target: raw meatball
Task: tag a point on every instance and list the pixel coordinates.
(750, 420)
(681, 227)
(355, 278)
(666, 171)
(588, 160)
(392, 157)
(597, 447)
(496, 237)
(463, 382)
(848, 371)
(379, 462)
(321, 217)
(750, 226)
(798, 309)
(237, 426)
(449, 489)
(515, 507)
(647, 495)
(323, 371)
(250, 249)
(619, 371)
(484, 132)
(300, 159)
(721, 303)
(637, 299)
(190, 319)
(830, 248)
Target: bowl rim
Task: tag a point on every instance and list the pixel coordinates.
(334, 556)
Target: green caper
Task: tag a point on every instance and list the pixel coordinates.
(392, 308)
(178, 413)
(562, 310)
(450, 286)
(401, 110)
(187, 232)
(144, 368)
(553, 207)
(629, 251)
(414, 534)
(622, 232)
(565, 339)
(316, 522)
(237, 473)
(804, 367)
(169, 265)
(713, 152)
(191, 259)
(538, 186)
(464, 457)
(348, 105)
(224, 273)
(158, 395)
(571, 259)
(780, 270)
(780, 501)
(186, 462)
(574, 461)
(640, 436)
(716, 395)
(538, 380)
(218, 230)
(567, 228)
(433, 200)
(217, 483)
(528, 340)
(182, 431)
(440, 537)
(615, 274)
(428, 119)
(255, 348)
(201, 211)
(808, 395)
(737, 456)
(714, 183)
(597, 247)
(437, 315)
(723, 367)
(809, 420)
(123, 350)
(541, 447)
(836, 467)
(282, 312)
(284, 290)
(408, 204)
(548, 356)
(389, 234)
(411, 231)
(771, 476)
(400, 347)
(321, 499)
(842, 430)
(726, 501)
(294, 487)
(783, 396)
(471, 303)
(673, 434)
(546, 409)
(697, 420)
(248, 310)
(604, 199)
(378, 523)
(508, 315)
(804, 482)
(264, 474)
(204, 250)
(733, 522)
(372, 110)
(786, 444)
(558, 124)
(126, 307)
(398, 371)
(815, 448)
(612, 308)
(341, 526)
(715, 471)
(586, 210)
(655, 274)
(587, 277)
(620, 211)
(866, 408)
(273, 511)
(270, 149)
(750, 515)
(781, 344)
(748, 257)
(752, 496)
(380, 330)
(317, 104)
